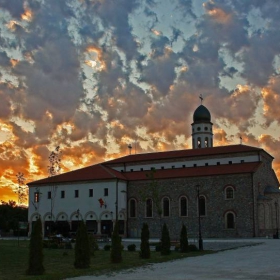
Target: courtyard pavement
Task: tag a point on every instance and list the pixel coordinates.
(251, 262)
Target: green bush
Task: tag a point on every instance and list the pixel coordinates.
(165, 241)
(131, 247)
(92, 244)
(192, 248)
(184, 243)
(117, 247)
(158, 247)
(144, 246)
(107, 247)
(82, 250)
(67, 245)
(35, 264)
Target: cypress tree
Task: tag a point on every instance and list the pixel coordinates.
(184, 244)
(165, 241)
(82, 248)
(116, 250)
(145, 246)
(35, 266)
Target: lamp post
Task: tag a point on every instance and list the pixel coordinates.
(200, 241)
(276, 217)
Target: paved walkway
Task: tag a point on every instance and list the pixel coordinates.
(253, 262)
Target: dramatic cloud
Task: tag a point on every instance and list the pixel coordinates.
(96, 76)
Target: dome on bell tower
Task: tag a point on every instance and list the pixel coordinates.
(201, 114)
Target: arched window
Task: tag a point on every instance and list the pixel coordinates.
(230, 220)
(202, 206)
(206, 142)
(198, 142)
(183, 204)
(149, 208)
(165, 207)
(132, 208)
(229, 193)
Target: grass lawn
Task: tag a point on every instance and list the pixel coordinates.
(14, 261)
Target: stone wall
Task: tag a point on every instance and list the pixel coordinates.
(212, 187)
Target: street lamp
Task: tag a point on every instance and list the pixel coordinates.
(276, 217)
(200, 241)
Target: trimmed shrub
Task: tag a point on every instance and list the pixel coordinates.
(68, 245)
(117, 247)
(82, 250)
(107, 247)
(165, 241)
(35, 265)
(192, 248)
(144, 246)
(184, 243)
(93, 246)
(131, 247)
(158, 247)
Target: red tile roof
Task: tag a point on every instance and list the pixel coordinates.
(184, 154)
(90, 173)
(101, 172)
(210, 170)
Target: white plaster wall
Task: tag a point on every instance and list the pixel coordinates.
(70, 204)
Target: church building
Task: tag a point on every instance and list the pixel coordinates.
(232, 191)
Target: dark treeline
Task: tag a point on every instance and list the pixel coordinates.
(10, 216)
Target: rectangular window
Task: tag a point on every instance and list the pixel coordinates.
(206, 164)
(49, 195)
(242, 160)
(131, 170)
(149, 208)
(106, 192)
(173, 166)
(184, 166)
(218, 163)
(194, 165)
(76, 193)
(162, 167)
(62, 194)
(142, 169)
(36, 197)
(230, 162)
(90, 194)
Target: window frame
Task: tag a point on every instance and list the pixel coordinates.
(227, 220)
(62, 194)
(90, 193)
(180, 206)
(163, 207)
(106, 191)
(226, 192)
(198, 205)
(76, 193)
(37, 197)
(146, 208)
(130, 208)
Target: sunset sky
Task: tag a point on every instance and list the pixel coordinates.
(93, 76)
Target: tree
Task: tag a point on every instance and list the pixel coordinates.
(53, 170)
(22, 190)
(36, 250)
(184, 244)
(116, 250)
(152, 191)
(82, 248)
(145, 252)
(10, 215)
(165, 241)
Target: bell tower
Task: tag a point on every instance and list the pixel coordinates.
(202, 135)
